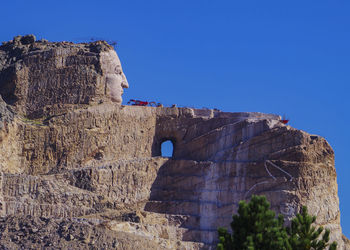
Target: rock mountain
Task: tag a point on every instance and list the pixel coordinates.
(79, 170)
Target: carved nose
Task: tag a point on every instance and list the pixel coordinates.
(125, 83)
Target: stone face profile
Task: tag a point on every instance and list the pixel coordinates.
(35, 75)
(114, 76)
(79, 170)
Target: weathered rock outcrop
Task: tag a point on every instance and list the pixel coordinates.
(38, 77)
(79, 170)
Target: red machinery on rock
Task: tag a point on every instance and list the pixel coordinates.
(284, 120)
(143, 103)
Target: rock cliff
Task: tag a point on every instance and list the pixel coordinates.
(80, 170)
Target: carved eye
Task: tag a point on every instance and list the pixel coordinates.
(118, 70)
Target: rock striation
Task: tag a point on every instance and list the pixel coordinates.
(77, 169)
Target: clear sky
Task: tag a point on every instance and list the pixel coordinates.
(283, 57)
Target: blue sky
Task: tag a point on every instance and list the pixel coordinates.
(284, 57)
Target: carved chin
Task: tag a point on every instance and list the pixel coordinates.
(115, 95)
(117, 100)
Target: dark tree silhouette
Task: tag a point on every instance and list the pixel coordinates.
(305, 236)
(256, 227)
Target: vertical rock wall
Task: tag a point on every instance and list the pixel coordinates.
(90, 171)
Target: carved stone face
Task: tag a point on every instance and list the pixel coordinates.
(114, 76)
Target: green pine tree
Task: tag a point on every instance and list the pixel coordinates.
(255, 227)
(304, 236)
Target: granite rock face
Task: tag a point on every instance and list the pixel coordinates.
(59, 73)
(79, 170)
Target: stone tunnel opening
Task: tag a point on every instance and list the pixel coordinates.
(167, 148)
